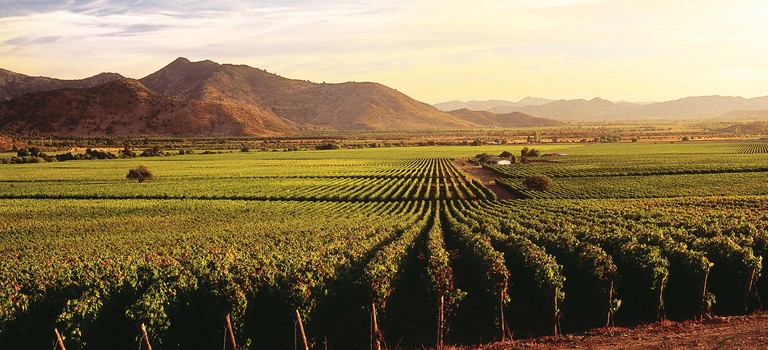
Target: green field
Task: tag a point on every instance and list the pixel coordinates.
(631, 233)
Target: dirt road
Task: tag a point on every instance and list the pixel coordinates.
(485, 176)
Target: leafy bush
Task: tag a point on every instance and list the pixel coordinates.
(152, 152)
(525, 152)
(539, 182)
(127, 153)
(97, 154)
(483, 157)
(508, 155)
(140, 173)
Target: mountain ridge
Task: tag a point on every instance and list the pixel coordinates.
(476, 105)
(506, 120)
(16, 84)
(124, 107)
(693, 107)
(207, 98)
(343, 106)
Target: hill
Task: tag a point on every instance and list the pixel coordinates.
(594, 109)
(756, 128)
(490, 104)
(744, 115)
(507, 120)
(207, 98)
(345, 106)
(702, 107)
(15, 84)
(126, 107)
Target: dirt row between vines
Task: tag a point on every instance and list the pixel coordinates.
(718, 333)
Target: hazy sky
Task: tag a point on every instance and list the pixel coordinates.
(433, 50)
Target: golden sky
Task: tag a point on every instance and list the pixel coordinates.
(434, 51)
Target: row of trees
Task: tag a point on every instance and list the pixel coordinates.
(35, 155)
(525, 153)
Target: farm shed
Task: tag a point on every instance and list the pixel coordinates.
(498, 161)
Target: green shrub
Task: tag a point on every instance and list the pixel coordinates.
(140, 173)
(539, 182)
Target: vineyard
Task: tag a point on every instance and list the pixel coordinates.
(755, 148)
(386, 248)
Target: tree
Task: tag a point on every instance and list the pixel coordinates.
(508, 155)
(155, 151)
(525, 152)
(140, 173)
(483, 157)
(539, 182)
(127, 153)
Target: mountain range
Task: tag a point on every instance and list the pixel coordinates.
(702, 107)
(492, 105)
(512, 118)
(206, 98)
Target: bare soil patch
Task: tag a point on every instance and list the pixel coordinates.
(719, 333)
(485, 176)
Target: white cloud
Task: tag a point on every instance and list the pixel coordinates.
(622, 46)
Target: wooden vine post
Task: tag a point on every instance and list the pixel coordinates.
(703, 307)
(502, 321)
(440, 321)
(555, 316)
(747, 289)
(757, 295)
(609, 318)
(660, 314)
(301, 330)
(375, 331)
(59, 341)
(230, 333)
(144, 338)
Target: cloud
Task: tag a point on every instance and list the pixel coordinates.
(406, 44)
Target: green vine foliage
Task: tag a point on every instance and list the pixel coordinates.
(178, 260)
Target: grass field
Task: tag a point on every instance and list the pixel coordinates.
(632, 232)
